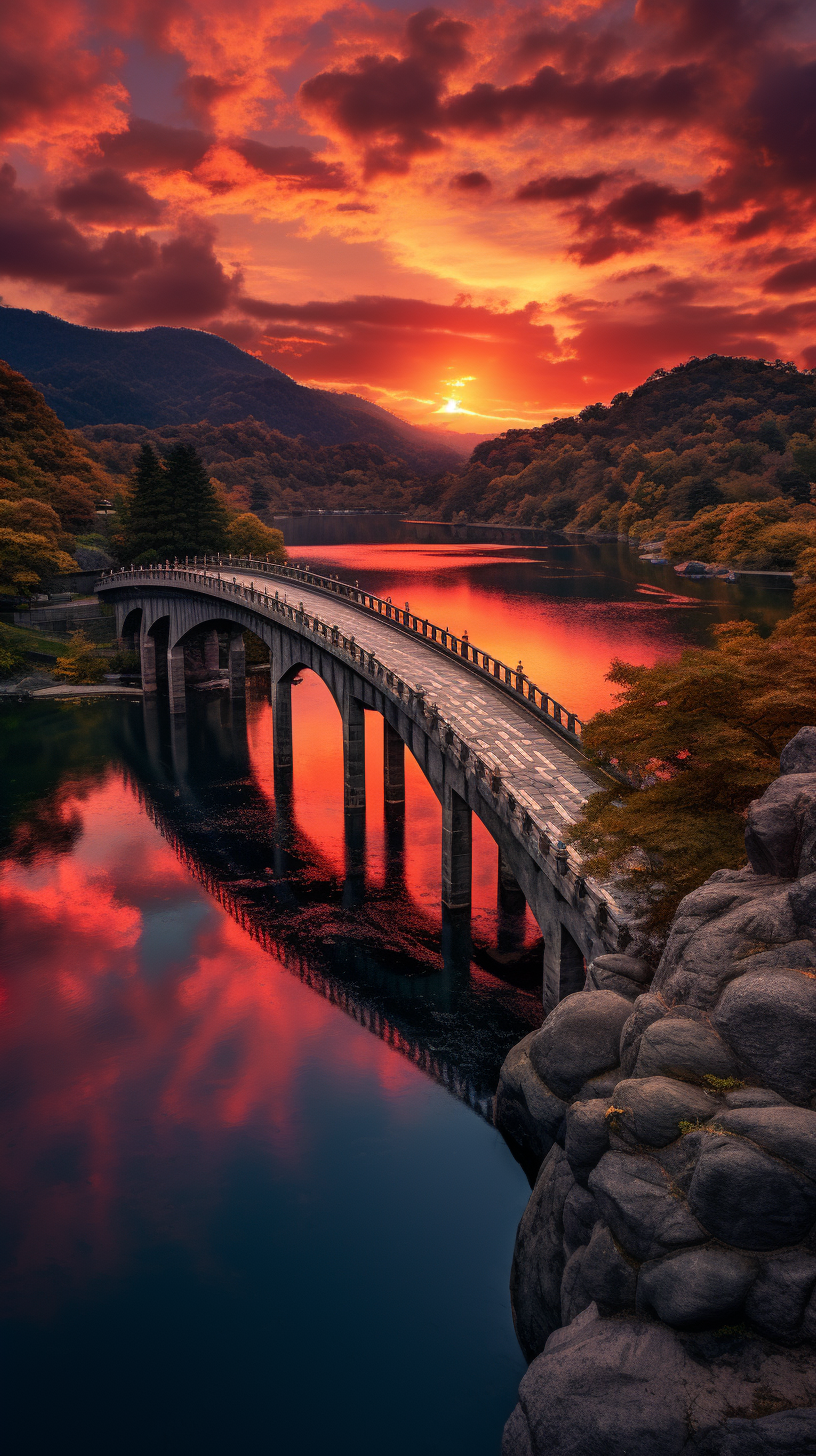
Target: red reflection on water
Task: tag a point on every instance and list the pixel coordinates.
(140, 1021)
(566, 642)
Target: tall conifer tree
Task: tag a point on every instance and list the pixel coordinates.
(148, 524)
(202, 518)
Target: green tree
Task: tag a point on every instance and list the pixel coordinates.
(697, 740)
(247, 534)
(147, 517)
(201, 516)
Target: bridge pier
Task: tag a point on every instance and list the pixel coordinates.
(457, 850)
(393, 765)
(147, 653)
(282, 750)
(564, 969)
(237, 667)
(353, 753)
(176, 679)
(212, 659)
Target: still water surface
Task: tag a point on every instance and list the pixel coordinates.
(252, 1198)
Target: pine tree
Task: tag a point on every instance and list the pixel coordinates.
(196, 503)
(147, 518)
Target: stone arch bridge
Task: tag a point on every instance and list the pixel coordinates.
(489, 741)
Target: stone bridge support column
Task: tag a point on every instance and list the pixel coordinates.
(457, 851)
(237, 667)
(353, 753)
(564, 969)
(175, 679)
(282, 736)
(211, 651)
(147, 652)
(393, 766)
(511, 895)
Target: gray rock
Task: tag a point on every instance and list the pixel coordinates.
(799, 755)
(753, 1097)
(639, 1203)
(573, 1298)
(538, 1259)
(802, 901)
(746, 1198)
(787, 1433)
(602, 1086)
(778, 1299)
(769, 1019)
(633, 1387)
(579, 1039)
(778, 823)
(607, 1277)
(735, 916)
(647, 1009)
(579, 1217)
(695, 1287)
(652, 1108)
(788, 1133)
(626, 975)
(677, 1047)
(587, 1137)
(527, 1111)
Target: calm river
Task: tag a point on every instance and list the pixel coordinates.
(252, 1199)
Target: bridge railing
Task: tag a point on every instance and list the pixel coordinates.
(512, 680)
(543, 836)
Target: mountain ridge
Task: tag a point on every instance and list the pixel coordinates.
(173, 376)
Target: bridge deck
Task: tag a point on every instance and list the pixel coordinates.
(549, 779)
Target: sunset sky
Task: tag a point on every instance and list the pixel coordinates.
(478, 217)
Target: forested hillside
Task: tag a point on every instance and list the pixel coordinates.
(727, 444)
(261, 470)
(166, 376)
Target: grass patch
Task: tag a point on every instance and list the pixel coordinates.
(16, 642)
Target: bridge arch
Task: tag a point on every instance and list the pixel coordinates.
(574, 926)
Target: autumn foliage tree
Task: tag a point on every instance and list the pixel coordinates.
(696, 739)
(247, 535)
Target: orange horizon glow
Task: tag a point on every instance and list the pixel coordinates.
(479, 219)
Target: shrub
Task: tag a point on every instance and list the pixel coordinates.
(80, 665)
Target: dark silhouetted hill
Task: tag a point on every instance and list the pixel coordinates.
(164, 376)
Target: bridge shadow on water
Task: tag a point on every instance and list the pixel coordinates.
(438, 992)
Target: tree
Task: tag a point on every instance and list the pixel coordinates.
(246, 535)
(697, 739)
(173, 509)
(27, 559)
(204, 518)
(81, 664)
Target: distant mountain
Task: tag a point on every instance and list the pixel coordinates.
(164, 376)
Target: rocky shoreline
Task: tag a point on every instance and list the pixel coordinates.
(664, 1277)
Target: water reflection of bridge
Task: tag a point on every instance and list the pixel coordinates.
(376, 955)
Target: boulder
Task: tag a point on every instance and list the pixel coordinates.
(626, 975)
(650, 1109)
(745, 1197)
(647, 1009)
(606, 1276)
(785, 1132)
(686, 1050)
(779, 1296)
(696, 1287)
(753, 1097)
(734, 917)
(629, 1386)
(538, 1258)
(602, 1086)
(527, 1111)
(799, 756)
(579, 1218)
(573, 1298)
(780, 832)
(769, 1019)
(579, 1039)
(587, 1137)
(647, 1215)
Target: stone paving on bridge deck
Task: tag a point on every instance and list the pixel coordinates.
(545, 777)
